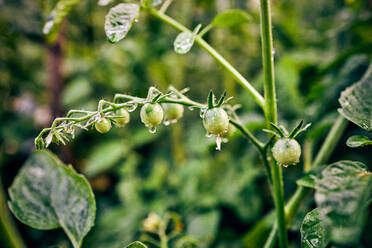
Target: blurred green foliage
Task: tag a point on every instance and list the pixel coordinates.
(321, 47)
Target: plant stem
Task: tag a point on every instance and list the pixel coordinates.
(271, 115)
(330, 142)
(8, 231)
(221, 60)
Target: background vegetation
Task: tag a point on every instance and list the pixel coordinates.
(321, 47)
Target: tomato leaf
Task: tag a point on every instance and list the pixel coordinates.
(314, 232)
(358, 141)
(356, 102)
(341, 193)
(119, 20)
(56, 17)
(46, 194)
(230, 18)
(309, 179)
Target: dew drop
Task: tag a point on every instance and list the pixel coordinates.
(273, 51)
(166, 122)
(208, 134)
(152, 130)
(136, 20)
(191, 108)
(218, 142)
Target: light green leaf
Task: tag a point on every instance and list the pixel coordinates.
(230, 18)
(56, 17)
(46, 194)
(104, 156)
(136, 244)
(119, 20)
(204, 227)
(358, 141)
(356, 102)
(314, 232)
(340, 194)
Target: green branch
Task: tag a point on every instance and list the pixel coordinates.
(218, 57)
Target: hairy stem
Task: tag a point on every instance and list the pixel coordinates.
(221, 60)
(271, 116)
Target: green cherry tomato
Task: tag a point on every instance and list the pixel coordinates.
(103, 125)
(123, 119)
(151, 114)
(230, 130)
(286, 151)
(172, 111)
(216, 121)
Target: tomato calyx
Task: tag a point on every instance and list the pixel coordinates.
(286, 150)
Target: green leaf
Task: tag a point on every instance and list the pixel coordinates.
(104, 156)
(356, 103)
(119, 20)
(46, 194)
(314, 232)
(136, 244)
(204, 226)
(310, 178)
(340, 194)
(230, 18)
(56, 17)
(358, 141)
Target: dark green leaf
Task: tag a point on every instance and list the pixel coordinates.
(314, 232)
(231, 18)
(136, 244)
(356, 103)
(46, 194)
(309, 179)
(56, 17)
(358, 141)
(341, 193)
(119, 20)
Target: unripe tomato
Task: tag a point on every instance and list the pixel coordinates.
(216, 121)
(172, 111)
(151, 114)
(103, 125)
(124, 117)
(230, 130)
(286, 151)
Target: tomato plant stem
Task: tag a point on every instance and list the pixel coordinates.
(8, 231)
(218, 57)
(270, 110)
